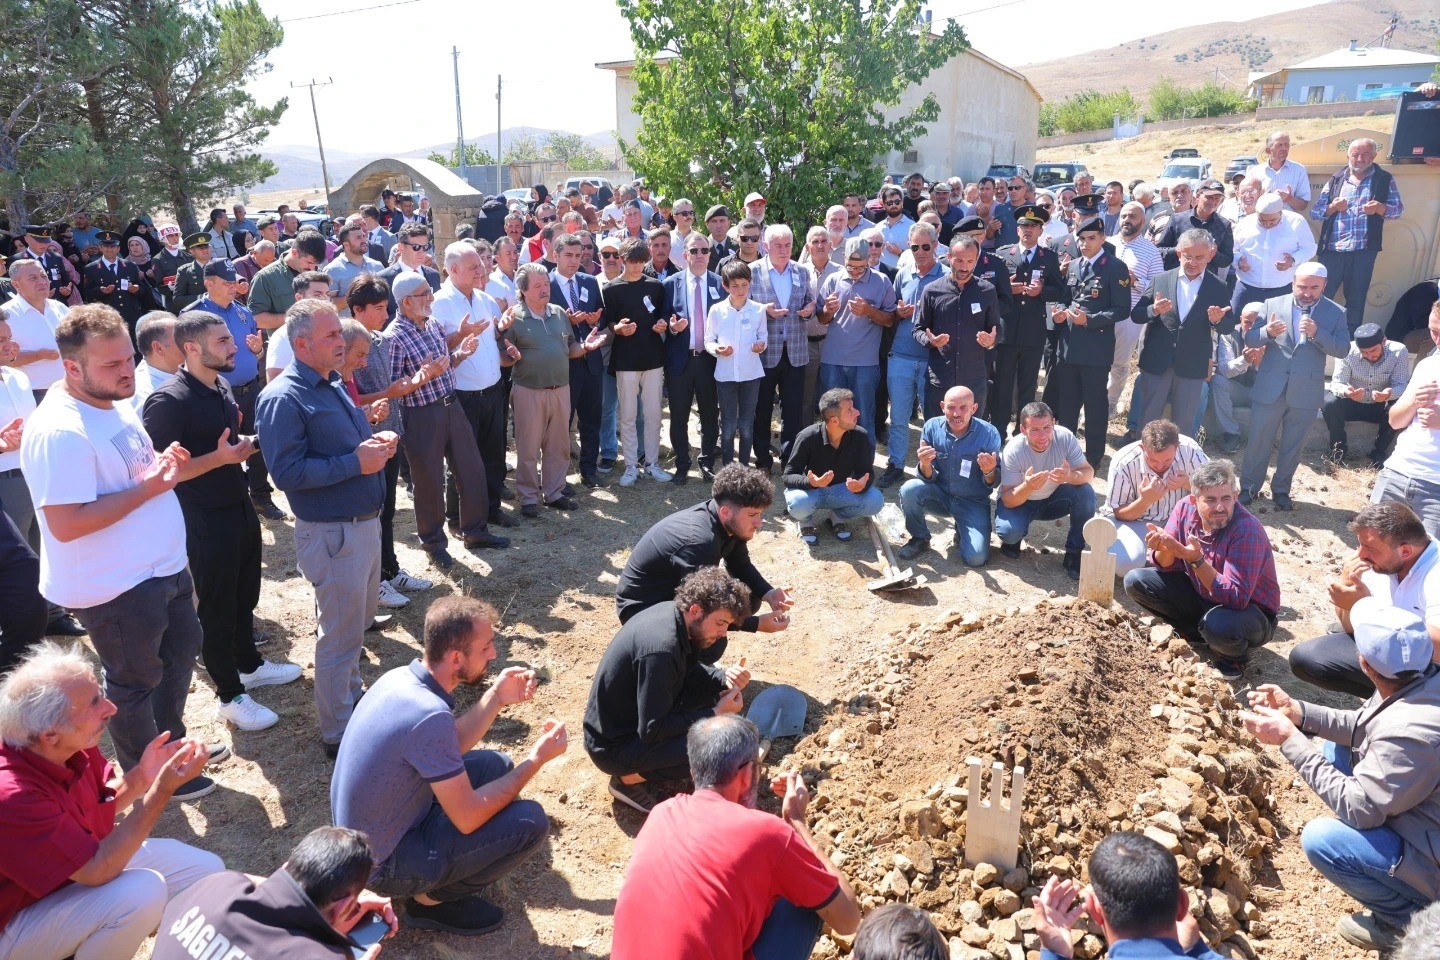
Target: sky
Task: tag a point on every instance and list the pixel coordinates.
(410, 102)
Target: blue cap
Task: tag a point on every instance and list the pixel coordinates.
(1392, 640)
(221, 269)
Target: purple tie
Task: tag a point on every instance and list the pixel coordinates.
(697, 339)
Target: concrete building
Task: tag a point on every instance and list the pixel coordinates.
(989, 113)
(1354, 73)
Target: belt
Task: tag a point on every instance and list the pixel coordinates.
(816, 339)
(497, 385)
(361, 519)
(247, 385)
(444, 401)
(9, 474)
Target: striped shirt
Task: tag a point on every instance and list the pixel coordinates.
(1128, 471)
(1145, 263)
(1391, 371)
(1352, 226)
(410, 347)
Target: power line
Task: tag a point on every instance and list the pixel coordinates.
(341, 13)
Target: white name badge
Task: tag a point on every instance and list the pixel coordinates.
(584, 295)
(646, 300)
(124, 284)
(714, 294)
(974, 308)
(964, 468)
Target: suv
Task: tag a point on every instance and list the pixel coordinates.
(1181, 152)
(1004, 171)
(1239, 165)
(576, 181)
(1054, 174)
(1190, 168)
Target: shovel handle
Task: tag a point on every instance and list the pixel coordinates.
(763, 752)
(882, 549)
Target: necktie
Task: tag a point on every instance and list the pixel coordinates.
(697, 321)
(574, 297)
(1084, 270)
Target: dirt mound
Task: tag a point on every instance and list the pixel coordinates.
(1118, 727)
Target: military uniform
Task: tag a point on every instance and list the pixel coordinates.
(190, 278)
(1021, 344)
(116, 284)
(53, 263)
(1084, 353)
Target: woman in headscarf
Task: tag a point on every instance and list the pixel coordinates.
(138, 253)
(139, 228)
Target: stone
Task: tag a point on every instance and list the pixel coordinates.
(1061, 866)
(986, 874)
(1089, 947)
(1025, 919)
(1006, 903)
(1160, 634)
(1163, 837)
(971, 911)
(920, 819)
(1210, 768)
(1015, 880)
(922, 856)
(895, 883)
(975, 935)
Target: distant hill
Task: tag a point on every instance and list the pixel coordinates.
(1230, 51)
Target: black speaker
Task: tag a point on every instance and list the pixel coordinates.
(1417, 129)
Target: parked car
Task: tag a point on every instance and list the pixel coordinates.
(1239, 165)
(1004, 171)
(1054, 174)
(1181, 153)
(521, 194)
(308, 219)
(1190, 168)
(575, 182)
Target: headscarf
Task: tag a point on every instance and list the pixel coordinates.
(141, 259)
(133, 229)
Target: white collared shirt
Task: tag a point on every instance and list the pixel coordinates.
(35, 330)
(1419, 592)
(1290, 174)
(1262, 247)
(1186, 290)
(17, 402)
(687, 309)
(482, 369)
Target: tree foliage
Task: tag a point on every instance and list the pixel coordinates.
(1170, 101)
(523, 149)
(785, 98)
(474, 157)
(572, 150)
(1086, 110)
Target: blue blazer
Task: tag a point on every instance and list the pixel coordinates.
(1294, 371)
(677, 348)
(589, 292)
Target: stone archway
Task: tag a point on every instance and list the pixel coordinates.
(452, 200)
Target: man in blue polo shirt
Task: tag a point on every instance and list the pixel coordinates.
(959, 466)
(908, 362)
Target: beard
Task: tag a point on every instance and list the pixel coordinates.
(102, 392)
(215, 362)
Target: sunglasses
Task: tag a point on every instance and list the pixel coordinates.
(920, 246)
(587, 247)
(1021, 187)
(609, 255)
(1046, 206)
(417, 246)
(750, 239)
(684, 213)
(876, 243)
(698, 251)
(547, 219)
(894, 203)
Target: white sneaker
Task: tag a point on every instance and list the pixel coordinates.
(390, 597)
(270, 675)
(403, 581)
(657, 473)
(245, 713)
(628, 478)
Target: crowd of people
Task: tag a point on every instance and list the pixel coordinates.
(339, 369)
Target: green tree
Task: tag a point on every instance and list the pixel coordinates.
(523, 149)
(474, 157)
(1086, 110)
(784, 98)
(572, 150)
(1169, 101)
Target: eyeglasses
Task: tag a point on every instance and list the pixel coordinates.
(1046, 206)
(547, 219)
(750, 239)
(588, 248)
(684, 213)
(609, 255)
(894, 203)
(698, 251)
(417, 246)
(1013, 187)
(876, 243)
(920, 246)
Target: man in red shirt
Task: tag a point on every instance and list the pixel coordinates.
(712, 878)
(73, 882)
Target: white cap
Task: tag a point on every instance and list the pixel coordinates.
(1311, 268)
(1269, 203)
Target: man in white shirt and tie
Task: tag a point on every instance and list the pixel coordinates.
(689, 368)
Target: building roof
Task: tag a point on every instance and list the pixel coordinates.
(1366, 57)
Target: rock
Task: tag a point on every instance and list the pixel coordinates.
(986, 874)
(1163, 837)
(1210, 768)
(895, 883)
(904, 864)
(1025, 919)
(921, 856)
(920, 819)
(1160, 634)
(971, 911)
(1006, 903)
(1015, 880)
(837, 738)
(1168, 821)
(1061, 866)
(975, 935)
(1089, 947)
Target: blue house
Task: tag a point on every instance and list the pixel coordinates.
(1354, 73)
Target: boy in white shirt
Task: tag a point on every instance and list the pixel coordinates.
(735, 335)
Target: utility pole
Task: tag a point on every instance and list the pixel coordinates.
(499, 181)
(459, 123)
(314, 111)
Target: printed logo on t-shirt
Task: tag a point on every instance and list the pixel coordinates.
(134, 447)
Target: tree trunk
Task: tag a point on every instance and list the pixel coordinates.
(16, 203)
(100, 127)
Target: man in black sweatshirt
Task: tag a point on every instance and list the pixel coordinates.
(659, 675)
(830, 468)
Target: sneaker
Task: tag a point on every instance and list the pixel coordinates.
(891, 476)
(1230, 668)
(469, 916)
(1072, 564)
(408, 581)
(217, 751)
(243, 712)
(390, 597)
(268, 510)
(840, 531)
(659, 474)
(1010, 550)
(628, 478)
(270, 675)
(912, 549)
(605, 465)
(193, 789)
(1365, 930)
(637, 796)
(807, 534)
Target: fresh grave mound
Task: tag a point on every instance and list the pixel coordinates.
(1118, 726)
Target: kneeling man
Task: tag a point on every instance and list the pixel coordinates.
(1044, 476)
(829, 469)
(959, 467)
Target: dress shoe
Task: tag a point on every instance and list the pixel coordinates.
(680, 479)
(268, 510)
(441, 559)
(64, 625)
(1229, 443)
(707, 472)
(562, 503)
(530, 510)
(589, 480)
(1246, 498)
(1072, 564)
(1011, 550)
(1283, 502)
(482, 540)
(568, 490)
(500, 519)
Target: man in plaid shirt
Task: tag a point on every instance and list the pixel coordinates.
(1365, 385)
(435, 425)
(1353, 207)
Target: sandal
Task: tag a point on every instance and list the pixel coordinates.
(807, 533)
(842, 532)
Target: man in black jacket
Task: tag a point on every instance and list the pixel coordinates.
(115, 282)
(706, 535)
(659, 675)
(1035, 280)
(303, 911)
(1181, 309)
(1206, 216)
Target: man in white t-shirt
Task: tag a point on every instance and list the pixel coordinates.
(1147, 479)
(1412, 472)
(1395, 562)
(33, 318)
(310, 285)
(1044, 476)
(112, 535)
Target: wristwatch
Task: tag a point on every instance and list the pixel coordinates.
(1192, 564)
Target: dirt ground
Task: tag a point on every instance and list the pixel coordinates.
(555, 589)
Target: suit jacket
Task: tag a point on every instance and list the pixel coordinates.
(785, 332)
(131, 303)
(189, 285)
(991, 268)
(1024, 324)
(1295, 372)
(677, 347)
(588, 292)
(1183, 343)
(1105, 298)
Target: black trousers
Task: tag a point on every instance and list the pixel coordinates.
(23, 612)
(789, 381)
(485, 412)
(1339, 411)
(434, 434)
(1331, 663)
(389, 563)
(1017, 371)
(256, 476)
(664, 759)
(587, 401)
(1069, 388)
(881, 431)
(695, 385)
(224, 548)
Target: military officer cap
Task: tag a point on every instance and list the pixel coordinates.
(197, 240)
(37, 230)
(1094, 224)
(969, 225)
(1030, 213)
(719, 210)
(1089, 203)
(107, 239)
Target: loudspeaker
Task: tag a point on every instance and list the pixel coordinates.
(1417, 129)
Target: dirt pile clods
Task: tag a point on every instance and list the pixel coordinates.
(1118, 726)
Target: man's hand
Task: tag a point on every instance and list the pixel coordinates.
(1345, 592)
(468, 346)
(1272, 697)
(1355, 393)
(678, 323)
(11, 435)
(157, 753)
(1057, 909)
(731, 701)
(379, 410)
(939, 340)
(1156, 538)
(1061, 315)
(507, 319)
(1253, 355)
(1338, 205)
(1269, 725)
(1285, 262)
(238, 452)
(773, 310)
(1152, 488)
(1307, 325)
(1216, 314)
(593, 341)
(1078, 317)
(513, 352)
(857, 484)
(772, 622)
(184, 765)
(1425, 394)
(737, 676)
(1374, 207)
(372, 454)
(625, 328)
(832, 303)
(166, 472)
(757, 347)
(925, 454)
(724, 350)
(1275, 327)
(659, 326)
(893, 249)
(904, 310)
(821, 481)
(986, 339)
(1243, 264)
(780, 599)
(1161, 305)
(1382, 396)
(860, 307)
(552, 742)
(790, 786)
(986, 461)
(1061, 474)
(514, 685)
(1177, 481)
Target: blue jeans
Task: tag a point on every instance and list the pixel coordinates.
(844, 505)
(971, 515)
(906, 378)
(864, 382)
(1172, 597)
(789, 933)
(737, 401)
(1076, 502)
(1361, 862)
(1422, 496)
(610, 419)
(436, 859)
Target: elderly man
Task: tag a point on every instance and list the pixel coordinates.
(660, 675)
(829, 468)
(322, 454)
(1352, 208)
(34, 317)
(1364, 387)
(436, 430)
(114, 282)
(1298, 332)
(856, 304)
(445, 819)
(1375, 769)
(959, 467)
(413, 257)
(1213, 573)
(784, 290)
(908, 361)
(708, 868)
(155, 339)
(1209, 194)
(1412, 472)
(1395, 562)
(1281, 175)
(1269, 245)
(37, 247)
(717, 223)
(77, 882)
(1044, 476)
(1147, 479)
(260, 256)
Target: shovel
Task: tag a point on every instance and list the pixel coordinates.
(895, 578)
(777, 712)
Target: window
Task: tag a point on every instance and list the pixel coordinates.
(1315, 94)
(912, 157)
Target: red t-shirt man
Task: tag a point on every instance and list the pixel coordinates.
(704, 876)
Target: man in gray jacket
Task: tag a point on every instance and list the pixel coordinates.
(1377, 769)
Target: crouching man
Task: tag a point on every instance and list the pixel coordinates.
(660, 675)
(73, 881)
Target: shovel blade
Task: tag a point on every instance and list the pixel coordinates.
(778, 712)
